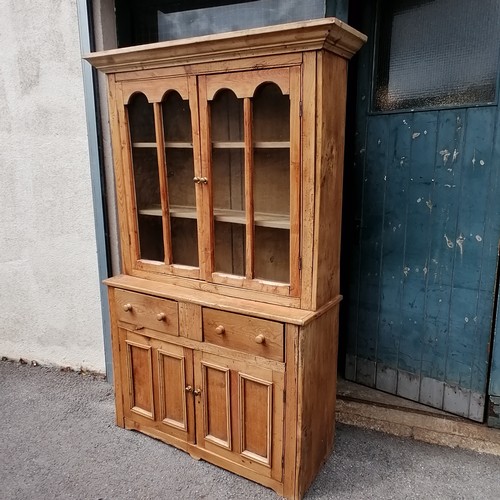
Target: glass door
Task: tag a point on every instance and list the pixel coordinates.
(164, 162)
(251, 150)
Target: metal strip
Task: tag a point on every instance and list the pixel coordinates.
(100, 219)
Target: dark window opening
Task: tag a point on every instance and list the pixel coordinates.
(159, 20)
(434, 53)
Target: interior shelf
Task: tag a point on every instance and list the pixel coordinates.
(218, 145)
(173, 145)
(278, 221)
(256, 145)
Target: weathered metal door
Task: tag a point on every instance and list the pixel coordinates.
(424, 223)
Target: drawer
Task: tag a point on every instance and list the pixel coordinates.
(244, 333)
(146, 311)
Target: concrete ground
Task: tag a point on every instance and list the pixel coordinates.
(58, 441)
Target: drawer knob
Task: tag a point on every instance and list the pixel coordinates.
(197, 392)
(260, 339)
(220, 330)
(161, 316)
(127, 307)
(188, 389)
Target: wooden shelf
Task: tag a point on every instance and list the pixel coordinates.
(277, 221)
(218, 145)
(173, 145)
(256, 145)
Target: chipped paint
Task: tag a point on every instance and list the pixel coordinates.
(415, 135)
(474, 159)
(419, 200)
(449, 243)
(429, 204)
(425, 132)
(481, 162)
(446, 155)
(406, 270)
(460, 243)
(478, 238)
(455, 156)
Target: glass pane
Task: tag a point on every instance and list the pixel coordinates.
(180, 172)
(272, 254)
(436, 53)
(230, 238)
(146, 178)
(228, 185)
(271, 135)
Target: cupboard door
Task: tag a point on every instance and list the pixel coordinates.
(157, 380)
(161, 159)
(250, 125)
(239, 413)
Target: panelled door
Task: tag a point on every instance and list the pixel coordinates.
(157, 378)
(239, 412)
(424, 191)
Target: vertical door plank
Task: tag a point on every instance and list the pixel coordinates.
(396, 177)
(470, 319)
(447, 178)
(492, 239)
(162, 172)
(419, 209)
(374, 187)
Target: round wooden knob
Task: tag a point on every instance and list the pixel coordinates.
(220, 330)
(260, 339)
(161, 316)
(127, 307)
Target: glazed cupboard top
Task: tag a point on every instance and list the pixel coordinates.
(228, 153)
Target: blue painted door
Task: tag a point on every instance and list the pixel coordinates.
(423, 229)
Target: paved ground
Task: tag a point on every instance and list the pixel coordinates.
(58, 441)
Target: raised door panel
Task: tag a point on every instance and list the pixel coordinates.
(240, 413)
(137, 373)
(174, 390)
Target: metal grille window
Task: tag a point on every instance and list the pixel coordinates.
(434, 53)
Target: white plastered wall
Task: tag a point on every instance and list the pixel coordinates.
(50, 307)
